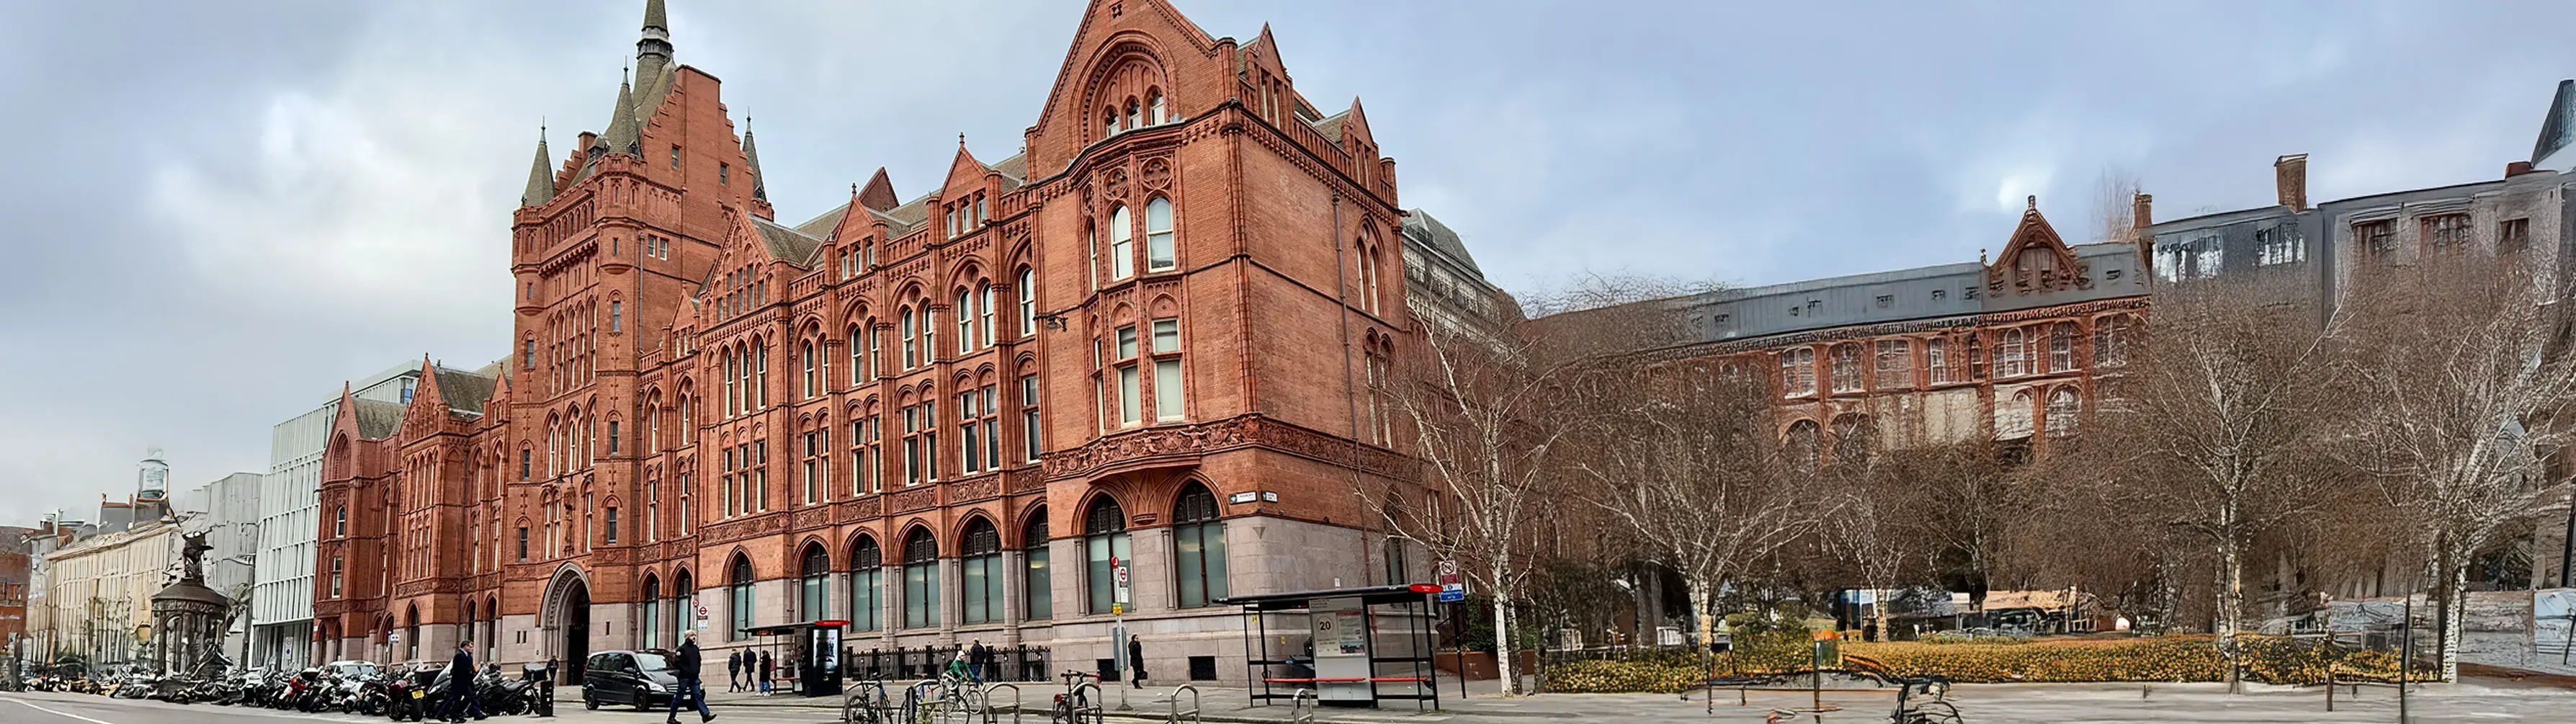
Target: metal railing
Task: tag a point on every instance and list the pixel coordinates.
(1091, 704)
(1297, 713)
(1007, 663)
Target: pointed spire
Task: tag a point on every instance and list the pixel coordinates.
(541, 176)
(625, 135)
(653, 52)
(751, 157)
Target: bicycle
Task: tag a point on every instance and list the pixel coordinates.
(1073, 706)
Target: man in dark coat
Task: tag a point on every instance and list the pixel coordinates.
(460, 685)
(764, 672)
(978, 659)
(1136, 659)
(733, 670)
(685, 668)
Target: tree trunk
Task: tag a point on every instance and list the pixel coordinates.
(2455, 586)
(1703, 603)
(2231, 604)
(1506, 659)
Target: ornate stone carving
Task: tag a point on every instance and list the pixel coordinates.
(862, 509)
(922, 498)
(815, 517)
(976, 489)
(1113, 184)
(1158, 174)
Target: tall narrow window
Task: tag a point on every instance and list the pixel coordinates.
(1198, 545)
(523, 543)
(1128, 385)
(616, 316)
(611, 538)
(1167, 369)
(612, 437)
(806, 351)
(1159, 250)
(1036, 585)
(1028, 290)
(1091, 243)
(760, 378)
(867, 586)
(965, 321)
(2111, 342)
(929, 333)
(920, 580)
(904, 331)
(2061, 347)
(652, 610)
(1847, 369)
(2064, 409)
(979, 564)
(340, 523)
(741, 602)
(984, 322)
(1029, 436)
(813, 600)
(1122, 245)
(865, 449)
(817, 470)
(1104, 529)
(858, 357)
(1161, 116)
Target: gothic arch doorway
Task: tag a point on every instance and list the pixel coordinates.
(566, 621)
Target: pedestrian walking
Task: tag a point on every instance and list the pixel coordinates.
(733, 671)
(767, 666)
(686, 671)
(978, 659)
(1136, 660)
(460, 685)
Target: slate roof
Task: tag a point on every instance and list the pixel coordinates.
(787, 244)
(1332, 127)
(1014, 170)
(378, 419)
(1419, 225)
(465, 391)
(821, 227)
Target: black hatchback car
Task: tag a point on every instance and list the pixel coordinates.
(641, 679)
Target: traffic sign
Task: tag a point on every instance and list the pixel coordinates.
(1452, 590)
(1118, 574)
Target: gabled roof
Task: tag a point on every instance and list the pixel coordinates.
(787, 244)
(377, 419)
(464, 391)
(1419, 225)
(1331, 126)
(878, 195)
(821, 227)
(1014, 170)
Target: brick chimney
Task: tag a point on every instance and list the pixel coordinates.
(2142, 211)
(2290, 173)
(2516, 168)
(2142, 214)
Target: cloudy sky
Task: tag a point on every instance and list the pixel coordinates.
(216, 212)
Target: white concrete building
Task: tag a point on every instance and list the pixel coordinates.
(227, 510)
(290, 509)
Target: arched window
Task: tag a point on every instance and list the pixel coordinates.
(1797, 372)
(651, 612)
(2015, 353)
(1122, 245)
(858, 357)
(732, 371)
(685, 421)
(1135, 115)
(979, 562)
(985, 321)
(904, 331)
(340, 522)
(1104, 531)
(929, 333)
(411, 640)
(1161, 114)
(2111, 342)
(760, 382)
(1108, 122)
(2064, 408)
(1037, 586)
(806, 351)
(1028, 302)
(921, 580)
(1801, 445)
(1198, 545)
(1159, 251)
(1847, 369)
(741, 595)
(965, 321)
(814, 604)
(684, 603)
(867, 585)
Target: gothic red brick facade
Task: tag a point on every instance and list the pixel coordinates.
(1139, 336)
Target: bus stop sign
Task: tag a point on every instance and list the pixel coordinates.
(1452, 590)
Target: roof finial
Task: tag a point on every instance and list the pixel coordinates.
(961, 139)
(2033, 200)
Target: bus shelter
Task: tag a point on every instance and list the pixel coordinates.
(810, 651)
(1353, 647)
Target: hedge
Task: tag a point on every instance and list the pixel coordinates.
(2168, 659)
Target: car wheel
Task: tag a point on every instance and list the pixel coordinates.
(587, 702)
(643, 701)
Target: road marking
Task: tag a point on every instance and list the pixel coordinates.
(32, 705)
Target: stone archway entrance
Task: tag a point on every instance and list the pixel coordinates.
(565, 622)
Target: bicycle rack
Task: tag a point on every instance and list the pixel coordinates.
(1297, 713)
(916, 707)
(1177, 712)
(990, 716)
(1090, 704)
(870, 696)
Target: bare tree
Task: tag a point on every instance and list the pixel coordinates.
(2464, 372)
(2212, 427)
(2114, 205)
(1683, 456)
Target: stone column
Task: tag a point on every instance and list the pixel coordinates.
(1015, 609)
(952, 601)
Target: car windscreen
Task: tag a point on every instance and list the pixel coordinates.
(651, 662)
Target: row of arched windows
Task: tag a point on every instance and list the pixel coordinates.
(1198, 567)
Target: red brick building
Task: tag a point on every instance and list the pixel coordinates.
(1146, 334)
